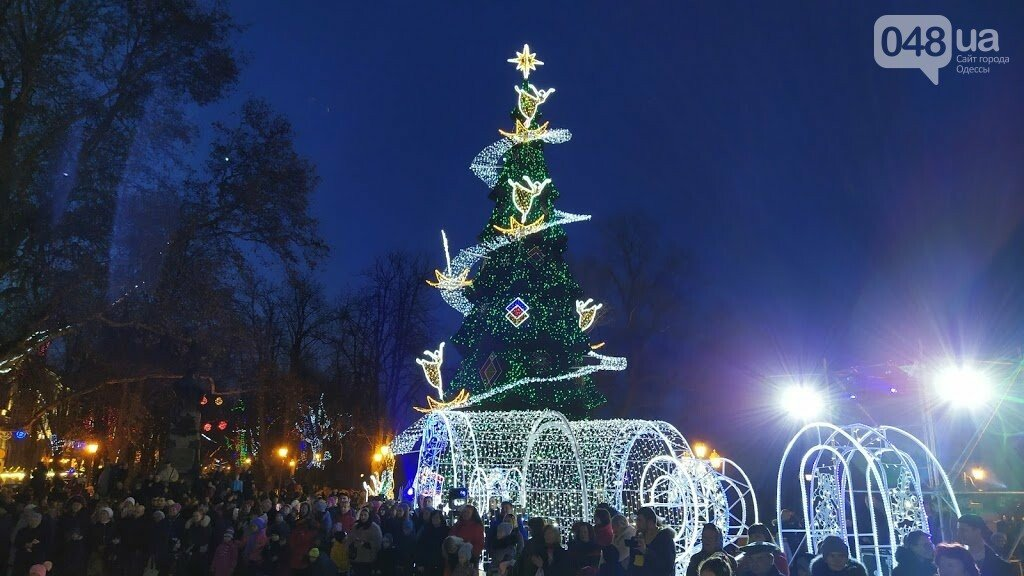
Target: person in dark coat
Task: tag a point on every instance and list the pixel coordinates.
(72, 534)
(31, 544)
(973, 532)
(758, 559)
(955, 560)
(198, 534)
(428, 556)
(38, 482)
(654, 553)
(159, 538)
(915, 557)
(583, 549)
(6, 531)
(834, 559)
(553, 559)
(711, 540)
(104, 544)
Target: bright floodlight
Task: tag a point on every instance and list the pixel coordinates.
(802, 402)
(963, 386)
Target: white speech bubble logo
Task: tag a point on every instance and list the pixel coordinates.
(924, 42)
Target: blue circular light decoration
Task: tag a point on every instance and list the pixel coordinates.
(20, 434)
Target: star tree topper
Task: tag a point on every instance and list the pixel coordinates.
(526, 61)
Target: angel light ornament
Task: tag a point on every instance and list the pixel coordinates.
(432, 369)
(431, 366)
(530, 100)
(587, 312)
(524, 195)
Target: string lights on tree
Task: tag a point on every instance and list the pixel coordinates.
(317, 427)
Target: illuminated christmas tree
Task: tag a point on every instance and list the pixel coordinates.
(524, 341)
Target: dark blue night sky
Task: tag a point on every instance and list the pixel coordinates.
(833, 208)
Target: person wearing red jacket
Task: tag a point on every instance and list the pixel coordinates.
(300, 541)
(470, 528)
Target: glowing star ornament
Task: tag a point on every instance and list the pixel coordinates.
(523, 133)
(518, 230)
(530, 99)
(587, 312)
(523, 196)
(525, 61)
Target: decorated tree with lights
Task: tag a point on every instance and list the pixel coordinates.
(524, 341)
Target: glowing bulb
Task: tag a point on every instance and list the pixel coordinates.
(978, 473)
(282, 452)
(715, 459)
(963, 386)
(92, 448)
(378, 457)
(700, 450)
(385, 449)
(802, 402)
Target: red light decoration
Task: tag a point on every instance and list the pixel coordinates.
(204, 400)
(207, 427)
(222, 425)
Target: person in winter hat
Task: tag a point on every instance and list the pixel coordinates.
(916, 556)
(323, 518)
(834, 559)
(225, 559)
(321, 564)
(465, 566)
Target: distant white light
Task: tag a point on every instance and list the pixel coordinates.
(963, 386)
(802, 402)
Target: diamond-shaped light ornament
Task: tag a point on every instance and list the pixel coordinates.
(517, 312)
(491, 369)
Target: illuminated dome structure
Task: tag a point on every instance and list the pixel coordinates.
(561, 469)
(860, 483)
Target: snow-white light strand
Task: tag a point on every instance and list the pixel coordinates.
(487, 164)
(468, 257)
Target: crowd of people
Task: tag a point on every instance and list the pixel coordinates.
(223, 526)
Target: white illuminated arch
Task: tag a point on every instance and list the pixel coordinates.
(834, 492)
(561, 470)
